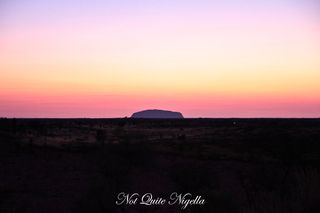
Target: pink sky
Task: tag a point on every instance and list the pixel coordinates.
(245, 58)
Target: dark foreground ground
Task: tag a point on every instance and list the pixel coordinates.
(236, 165)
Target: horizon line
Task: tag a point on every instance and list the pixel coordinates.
(126, 117)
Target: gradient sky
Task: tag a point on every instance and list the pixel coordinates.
(100, 58)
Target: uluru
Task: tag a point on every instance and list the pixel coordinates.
(156, 113)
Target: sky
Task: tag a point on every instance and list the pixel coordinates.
(110, 58)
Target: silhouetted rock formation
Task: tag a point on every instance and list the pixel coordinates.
(155, 113)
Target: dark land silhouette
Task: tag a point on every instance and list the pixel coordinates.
(158, 114)
(237, 165)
